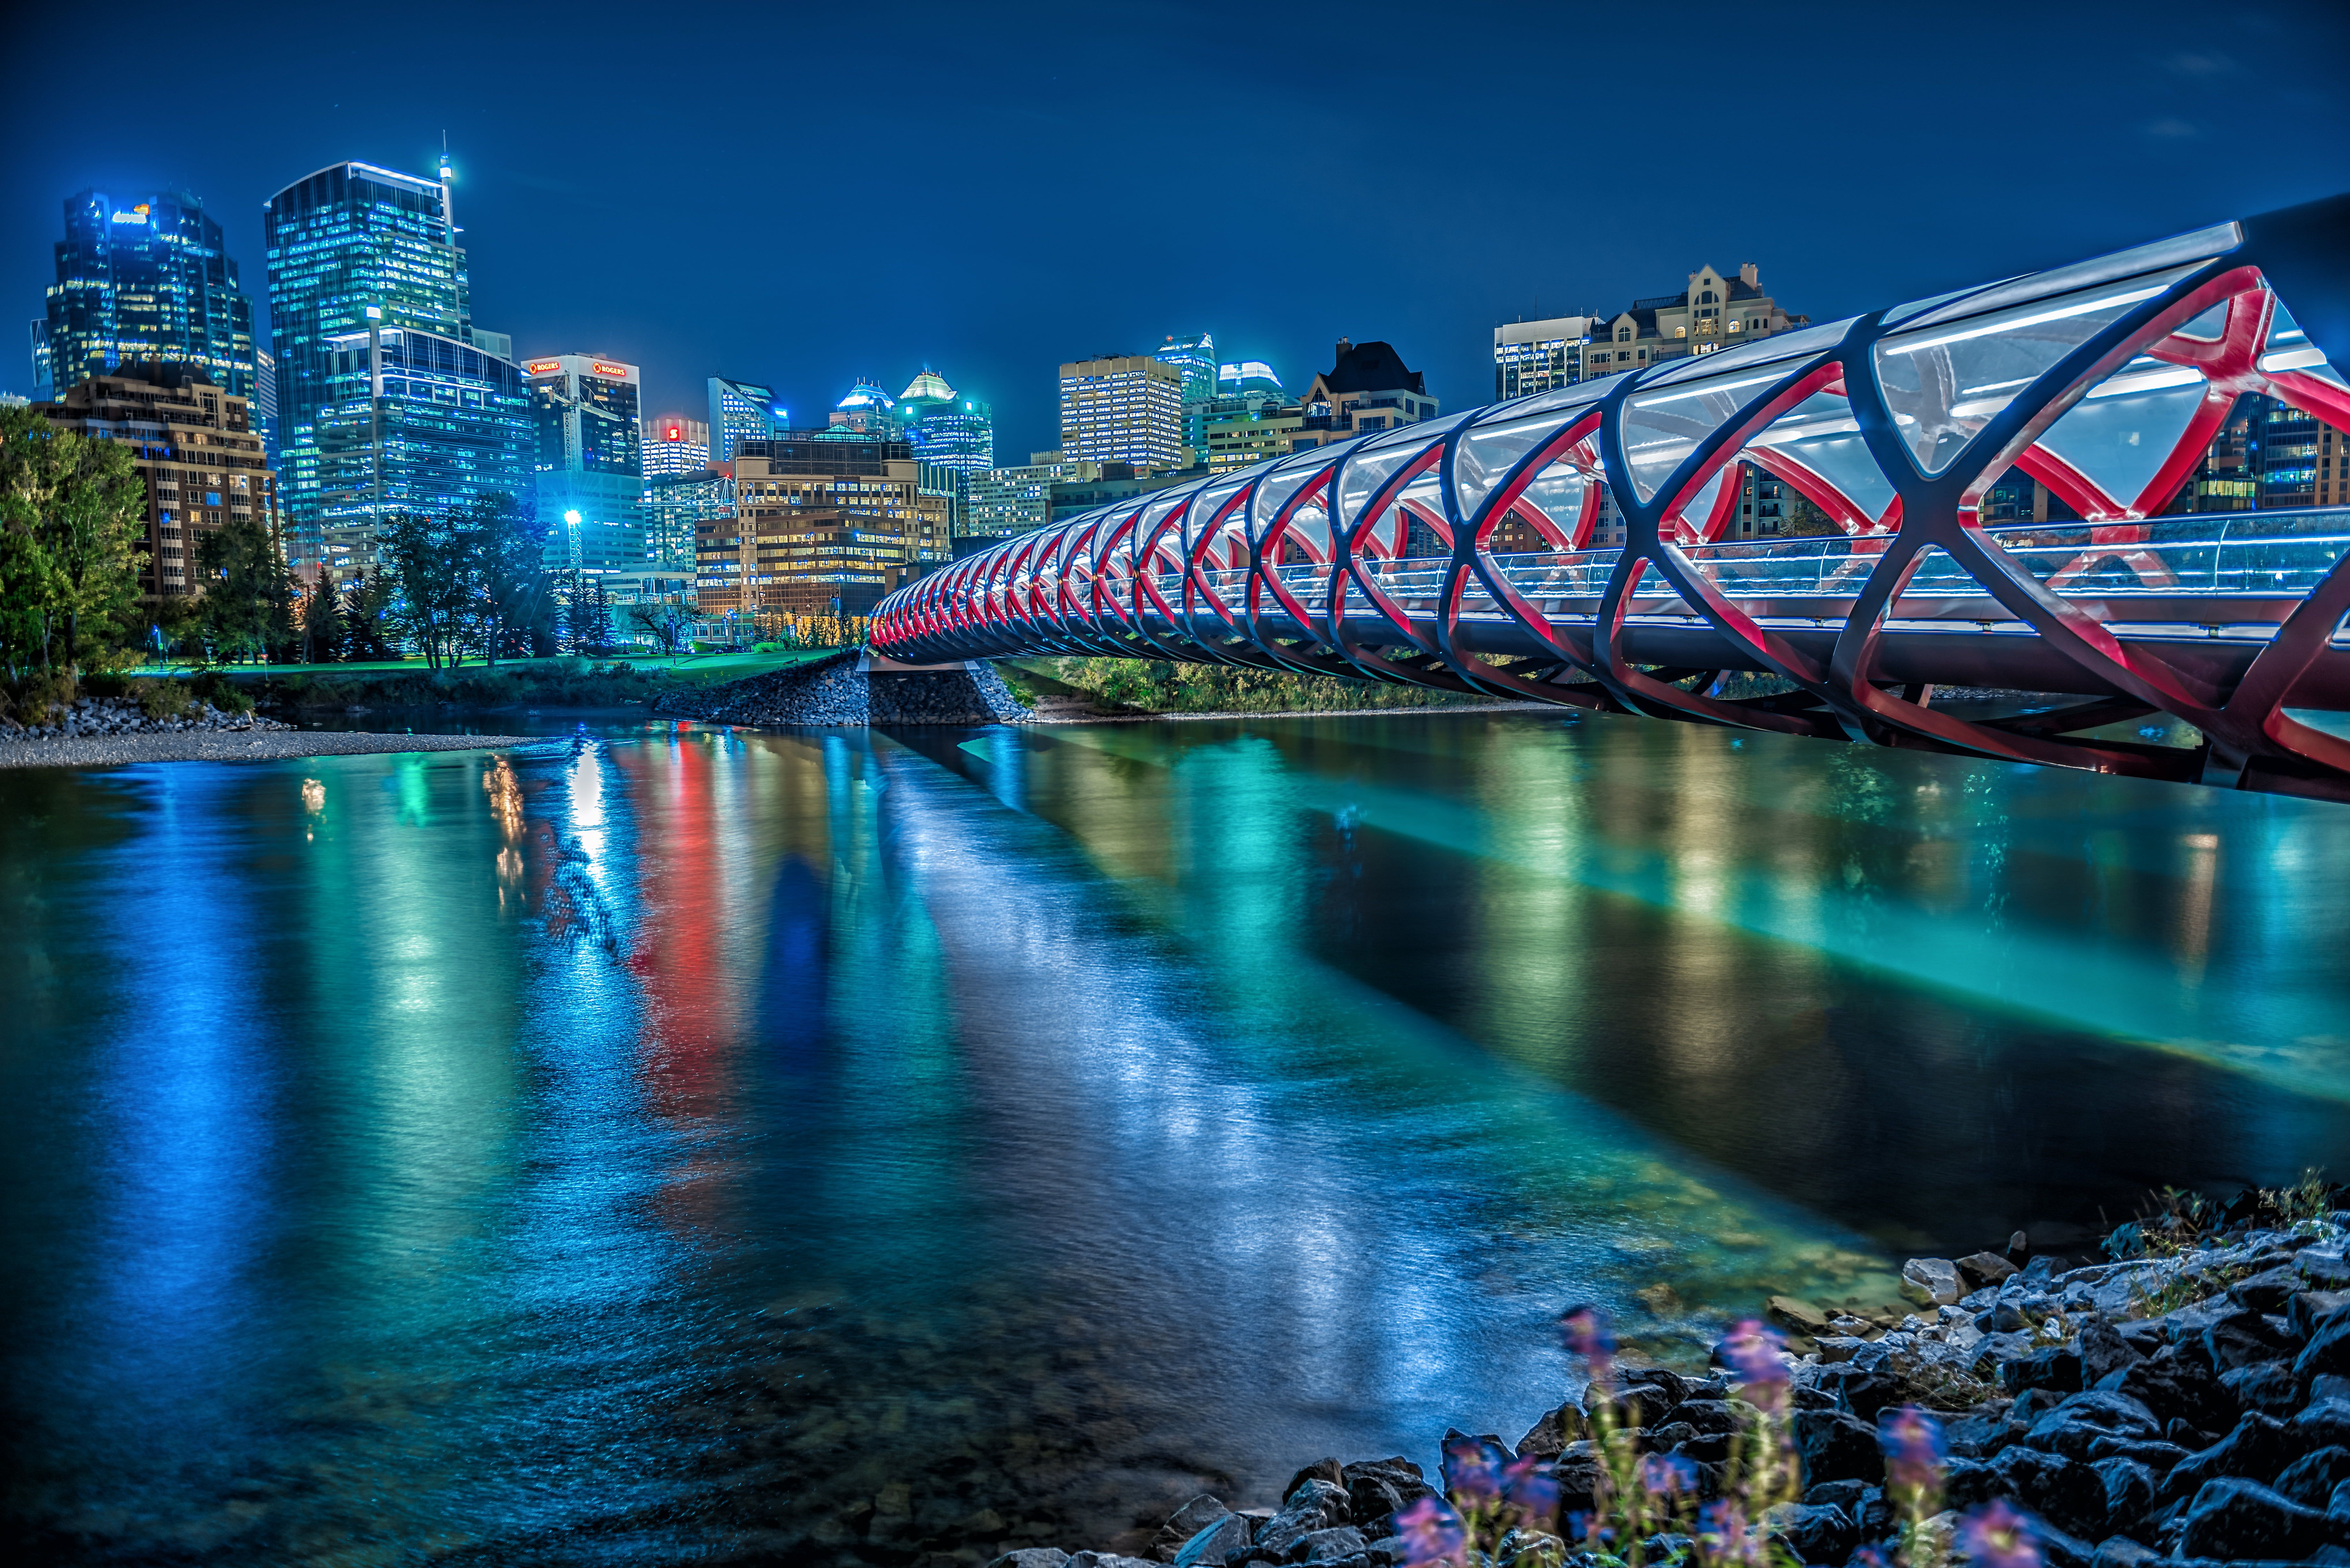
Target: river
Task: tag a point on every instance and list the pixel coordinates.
(657, 1141)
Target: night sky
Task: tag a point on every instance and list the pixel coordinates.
(808, 195)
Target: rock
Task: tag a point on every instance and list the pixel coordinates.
(2105, 1352)
(2324, 1423)
(1329, 1470)
(1864, 1391)
(2269, 1289)
(1931, 1281)
(2072, 1427)
(1379, 1490)
(1555, 1431)
(2159, 1457)
(2233, 1520)
(2258, 1448)
(1981, 1269)
(1033, 1557)
(2131, 1488)
(2121, 1551)
(2176, 1385)
(1315, 1504)
(2328, 1350)
(1109, 1560)
(2243, 1338)
(1789, 1312)
(2305, 1311)
(1815, 1532)
(2070, 1495)
(2270, 1387)
(2309, 1480)
(2327, 1271)
(1836, 1446)
(1185, 1523)
(1328, 1545)
(2057, 1368)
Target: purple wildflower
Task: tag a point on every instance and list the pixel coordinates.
(1914, 1453)
(1667, 1475)
(1530, 1485)
(1431, 1534)
(1586, 1334)
(1473, 1471)
(1997, 1536)
(1751, 1351)
(1722, 1533)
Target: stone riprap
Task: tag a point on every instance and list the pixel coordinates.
(273, 743)
(834, 689)
(2185, 1409)
(90, 716)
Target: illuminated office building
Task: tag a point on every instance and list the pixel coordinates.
(951, 436)
(739, 411)
(591, 475)
(1007, 501)
(1536, 356)
(866, 411)
(389, 398)
(680, 508)
(1126, 409)
(821, 525)
(142, 280)
(674, 444)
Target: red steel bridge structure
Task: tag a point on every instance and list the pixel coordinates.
(2106, 380)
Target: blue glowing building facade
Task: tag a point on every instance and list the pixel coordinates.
(142, 280)
(591, 475)
(389, 398)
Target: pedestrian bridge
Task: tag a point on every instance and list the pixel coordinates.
(2106, 381)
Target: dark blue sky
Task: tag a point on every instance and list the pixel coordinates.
(807, 194)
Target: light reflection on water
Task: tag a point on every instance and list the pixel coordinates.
(1058, 1120)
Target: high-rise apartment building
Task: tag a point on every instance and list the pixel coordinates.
(1008, 500)
(143, 281)
(389, 399)
(674, 444)
(740, 411)
(822, 525)
(1122, 408)
(591, 476)
(194, 444)
(1195, 357)
(1532, 356)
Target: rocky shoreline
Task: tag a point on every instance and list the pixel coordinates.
(111, 732)
(2185, 1406)
(837, 689)
(100, 716)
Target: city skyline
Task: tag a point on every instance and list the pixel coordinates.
(2029, 162)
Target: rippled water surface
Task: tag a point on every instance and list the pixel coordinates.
(652, 1143)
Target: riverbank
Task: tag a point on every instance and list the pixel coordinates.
(240, 745)
(2187, 1402)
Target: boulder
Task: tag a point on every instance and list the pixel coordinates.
(1836, 1446)
(2131, 1488)
(1981, 1269)
(1329, 1545)
(2259, 1448)
(2328, 1350)
(2121, 1551)
(1556, 1429)
(1931, 1281)
(2233, 1520)
(2177, 1384)
(2070, 1427)
(1329, 1470)
(1864, 1391)
(1814, 1532)
(2105, 1352)
(2268, 1386)
(2327, 1271)
(1214, 1544)
(2269, 1289)
(1315, 1504)
(2324, 1424)
(2305, 1312)
(2246, 1339)
(2057, 1368)
(1185, 1523)
(1032, 1557)
(1788, 1312)
(2309, 1480)
(2069, 1495)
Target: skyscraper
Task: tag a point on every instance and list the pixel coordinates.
(952, 437)
(143, 281)
(1126, 409)
(674, 444)
(740, 411)
(866, 411)
(591, 475)
(1195, 357)
(389, 398)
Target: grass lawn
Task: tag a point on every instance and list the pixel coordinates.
(691, 666)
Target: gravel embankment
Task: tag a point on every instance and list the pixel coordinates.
(229, 746)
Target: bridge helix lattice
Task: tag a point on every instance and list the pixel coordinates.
(2105, 381)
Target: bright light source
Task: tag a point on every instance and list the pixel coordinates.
(572, 518)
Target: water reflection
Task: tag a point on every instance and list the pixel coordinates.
(662, 1138)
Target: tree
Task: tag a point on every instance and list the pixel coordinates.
(366, 613)
(248, 603)
(75, 509)
(427, 557)
(508, 548)
(665, 621)
(322, 622)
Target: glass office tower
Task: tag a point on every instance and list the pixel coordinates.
(142, 280)
(389, 398)
(591, 476)
(740, 411)
(1194, 358)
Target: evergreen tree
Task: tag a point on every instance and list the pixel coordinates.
(247, 608)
